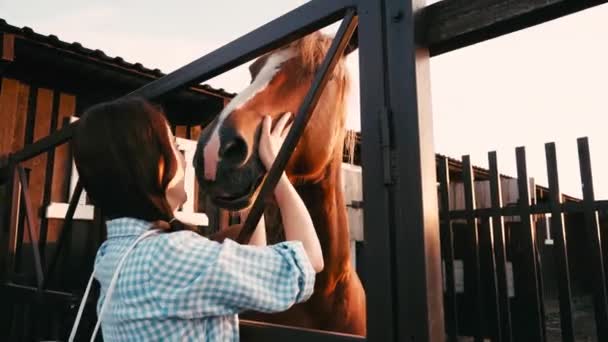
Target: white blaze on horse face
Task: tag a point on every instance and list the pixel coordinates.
(264, 77)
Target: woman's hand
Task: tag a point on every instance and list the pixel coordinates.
(271, 141)
(297, 222)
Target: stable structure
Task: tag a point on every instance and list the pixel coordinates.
(46, 82)
(405, 235)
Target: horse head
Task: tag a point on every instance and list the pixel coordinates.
(226, 160)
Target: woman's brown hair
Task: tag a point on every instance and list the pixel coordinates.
(119, 148)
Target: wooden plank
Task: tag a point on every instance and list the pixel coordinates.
(453, 24)
(8, 47)
(8, 113)
(473, 226)
(62, 164)
(42, 128)
(195, 132)
(352, 189)
(180, 131)
(530, 286)
(18, 135)
(594, 242)
(8, 237)
(505, 333)
(561, 247)
(447, 251)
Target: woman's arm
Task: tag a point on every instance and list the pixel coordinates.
(296, 219)
(258, 238)
(194, 277)
(297, 222)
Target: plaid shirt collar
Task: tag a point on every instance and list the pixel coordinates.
(126, 226)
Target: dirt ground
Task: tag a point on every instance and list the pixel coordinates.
(584, 320)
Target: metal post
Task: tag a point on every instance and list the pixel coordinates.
(447, 251)
(474, 229)
(500, 254)
(399, 177)
(561, 247)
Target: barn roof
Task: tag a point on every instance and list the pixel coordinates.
(47, 61)
(96, 55)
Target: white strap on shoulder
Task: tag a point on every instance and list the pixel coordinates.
(108, 292)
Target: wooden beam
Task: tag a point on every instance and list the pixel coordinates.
(453, 24)
(38, 165)
(180, 131)
(7, 53)
(8, 113)
(62, 164)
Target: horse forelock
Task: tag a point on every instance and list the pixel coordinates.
(271, 66)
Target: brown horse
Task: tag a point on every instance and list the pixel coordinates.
(227, 165)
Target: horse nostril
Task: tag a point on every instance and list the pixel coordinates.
(234, 151)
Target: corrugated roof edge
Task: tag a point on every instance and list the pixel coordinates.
(77, 48)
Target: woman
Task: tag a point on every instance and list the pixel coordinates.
(178, 285)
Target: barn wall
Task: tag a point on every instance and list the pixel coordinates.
(27, 114)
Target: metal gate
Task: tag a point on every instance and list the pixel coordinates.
(401, 258)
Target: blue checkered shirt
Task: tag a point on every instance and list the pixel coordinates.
(183, 287)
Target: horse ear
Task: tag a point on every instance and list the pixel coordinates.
(353, 44)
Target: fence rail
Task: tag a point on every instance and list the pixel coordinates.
(522, 323)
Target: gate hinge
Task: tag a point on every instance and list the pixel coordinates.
(385, 145)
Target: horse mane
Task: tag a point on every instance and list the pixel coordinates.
(310, 52)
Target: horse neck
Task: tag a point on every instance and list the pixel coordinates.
(325, 203)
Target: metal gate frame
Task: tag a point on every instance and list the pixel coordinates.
(402, 262)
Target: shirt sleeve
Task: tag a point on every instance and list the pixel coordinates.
(195, 277)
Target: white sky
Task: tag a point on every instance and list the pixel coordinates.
(547, 83)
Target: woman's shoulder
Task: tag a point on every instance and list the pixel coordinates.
(184, 244)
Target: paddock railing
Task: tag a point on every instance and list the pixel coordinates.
(402, 261)
(496, 312)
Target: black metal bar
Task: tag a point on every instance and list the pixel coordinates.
(447, 250)
(596, 257)
(252, 331)
(20, 232)
(473, 225)
(66, 231)
(6, 258)
(295, 24)
(23, 294)
(29, 214)
(561, 255)
(416, 242)
(505, 332)
(453, 24)
(539, 208)
(303, 20)
(46, 143)
(377, 256)
(48, 180)
(304, 114)
(531, 290)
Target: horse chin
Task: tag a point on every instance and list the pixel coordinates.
(238, 201)
(234, 204)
